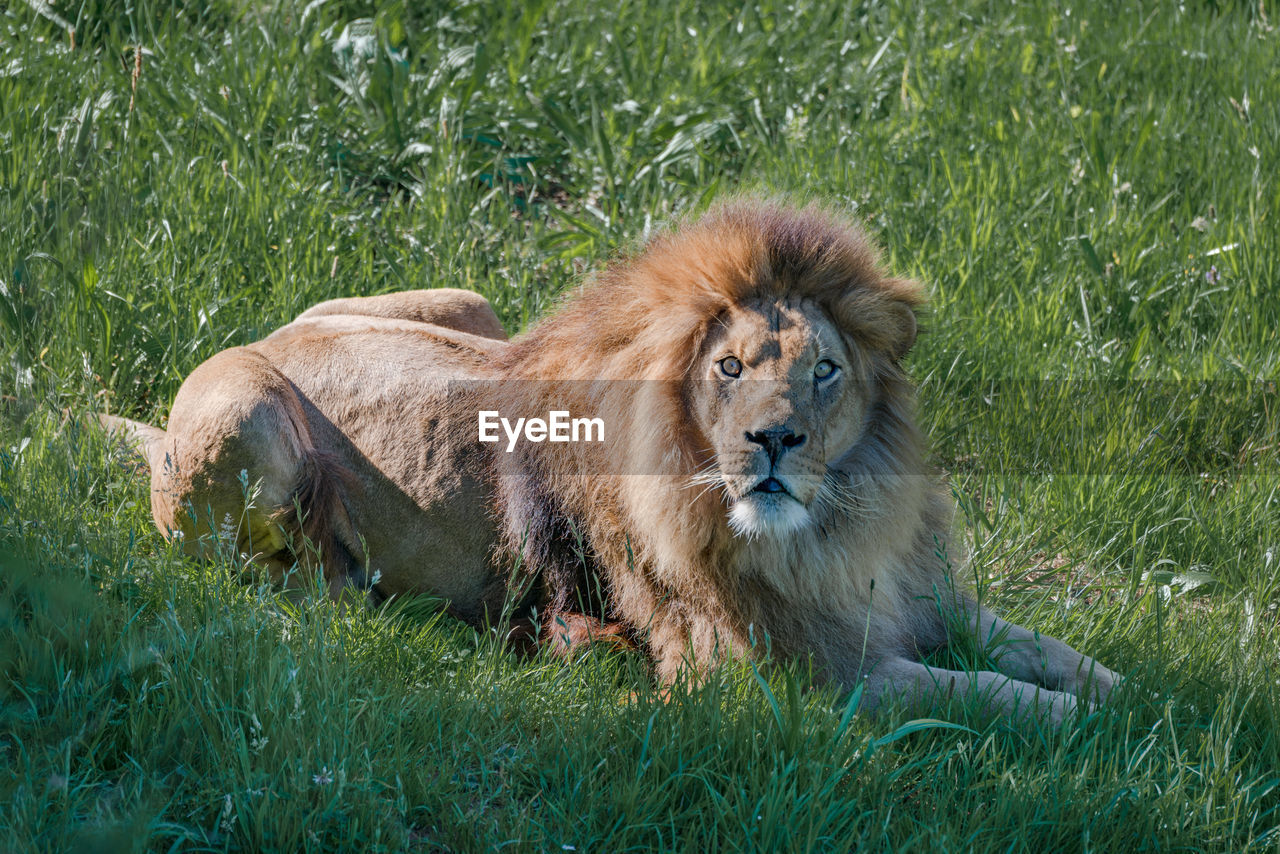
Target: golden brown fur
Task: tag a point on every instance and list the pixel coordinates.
(864, 563)
(334, 415)
(760, 475)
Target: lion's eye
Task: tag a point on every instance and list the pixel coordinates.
(730, 366)
(825, 369)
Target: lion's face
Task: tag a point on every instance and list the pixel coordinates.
(781, 394)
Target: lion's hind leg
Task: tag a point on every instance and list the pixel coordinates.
(237, 473)
(452, 308)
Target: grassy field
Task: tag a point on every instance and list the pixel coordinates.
(1089, 190)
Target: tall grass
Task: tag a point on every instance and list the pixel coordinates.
(1088, 190)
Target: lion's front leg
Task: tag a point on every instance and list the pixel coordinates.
(1042, 659)
(925, 687)
(566, 634)
(685, 641)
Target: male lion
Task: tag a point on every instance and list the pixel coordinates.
(760, 473)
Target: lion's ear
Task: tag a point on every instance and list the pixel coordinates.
(905, 329)
(883, 319)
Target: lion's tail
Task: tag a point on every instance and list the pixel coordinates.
(143, 438)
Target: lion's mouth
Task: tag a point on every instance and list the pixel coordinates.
(771, 486)
(768, 509)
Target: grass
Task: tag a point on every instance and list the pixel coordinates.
(1089, 191)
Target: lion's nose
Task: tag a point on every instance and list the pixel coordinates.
(776, 440)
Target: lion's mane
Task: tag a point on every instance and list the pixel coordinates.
(621, 515)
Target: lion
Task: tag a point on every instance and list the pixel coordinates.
(760, 473)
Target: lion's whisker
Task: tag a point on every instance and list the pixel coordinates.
(706, 477)
(844, 498)
(709, 486)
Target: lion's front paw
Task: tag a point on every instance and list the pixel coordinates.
(1058, 708)
(1094, 682)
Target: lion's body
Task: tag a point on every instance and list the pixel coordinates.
(760, 473)
(339, 410)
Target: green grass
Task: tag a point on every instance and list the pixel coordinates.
(1101, 388)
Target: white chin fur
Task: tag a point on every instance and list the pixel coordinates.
(757, 516)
